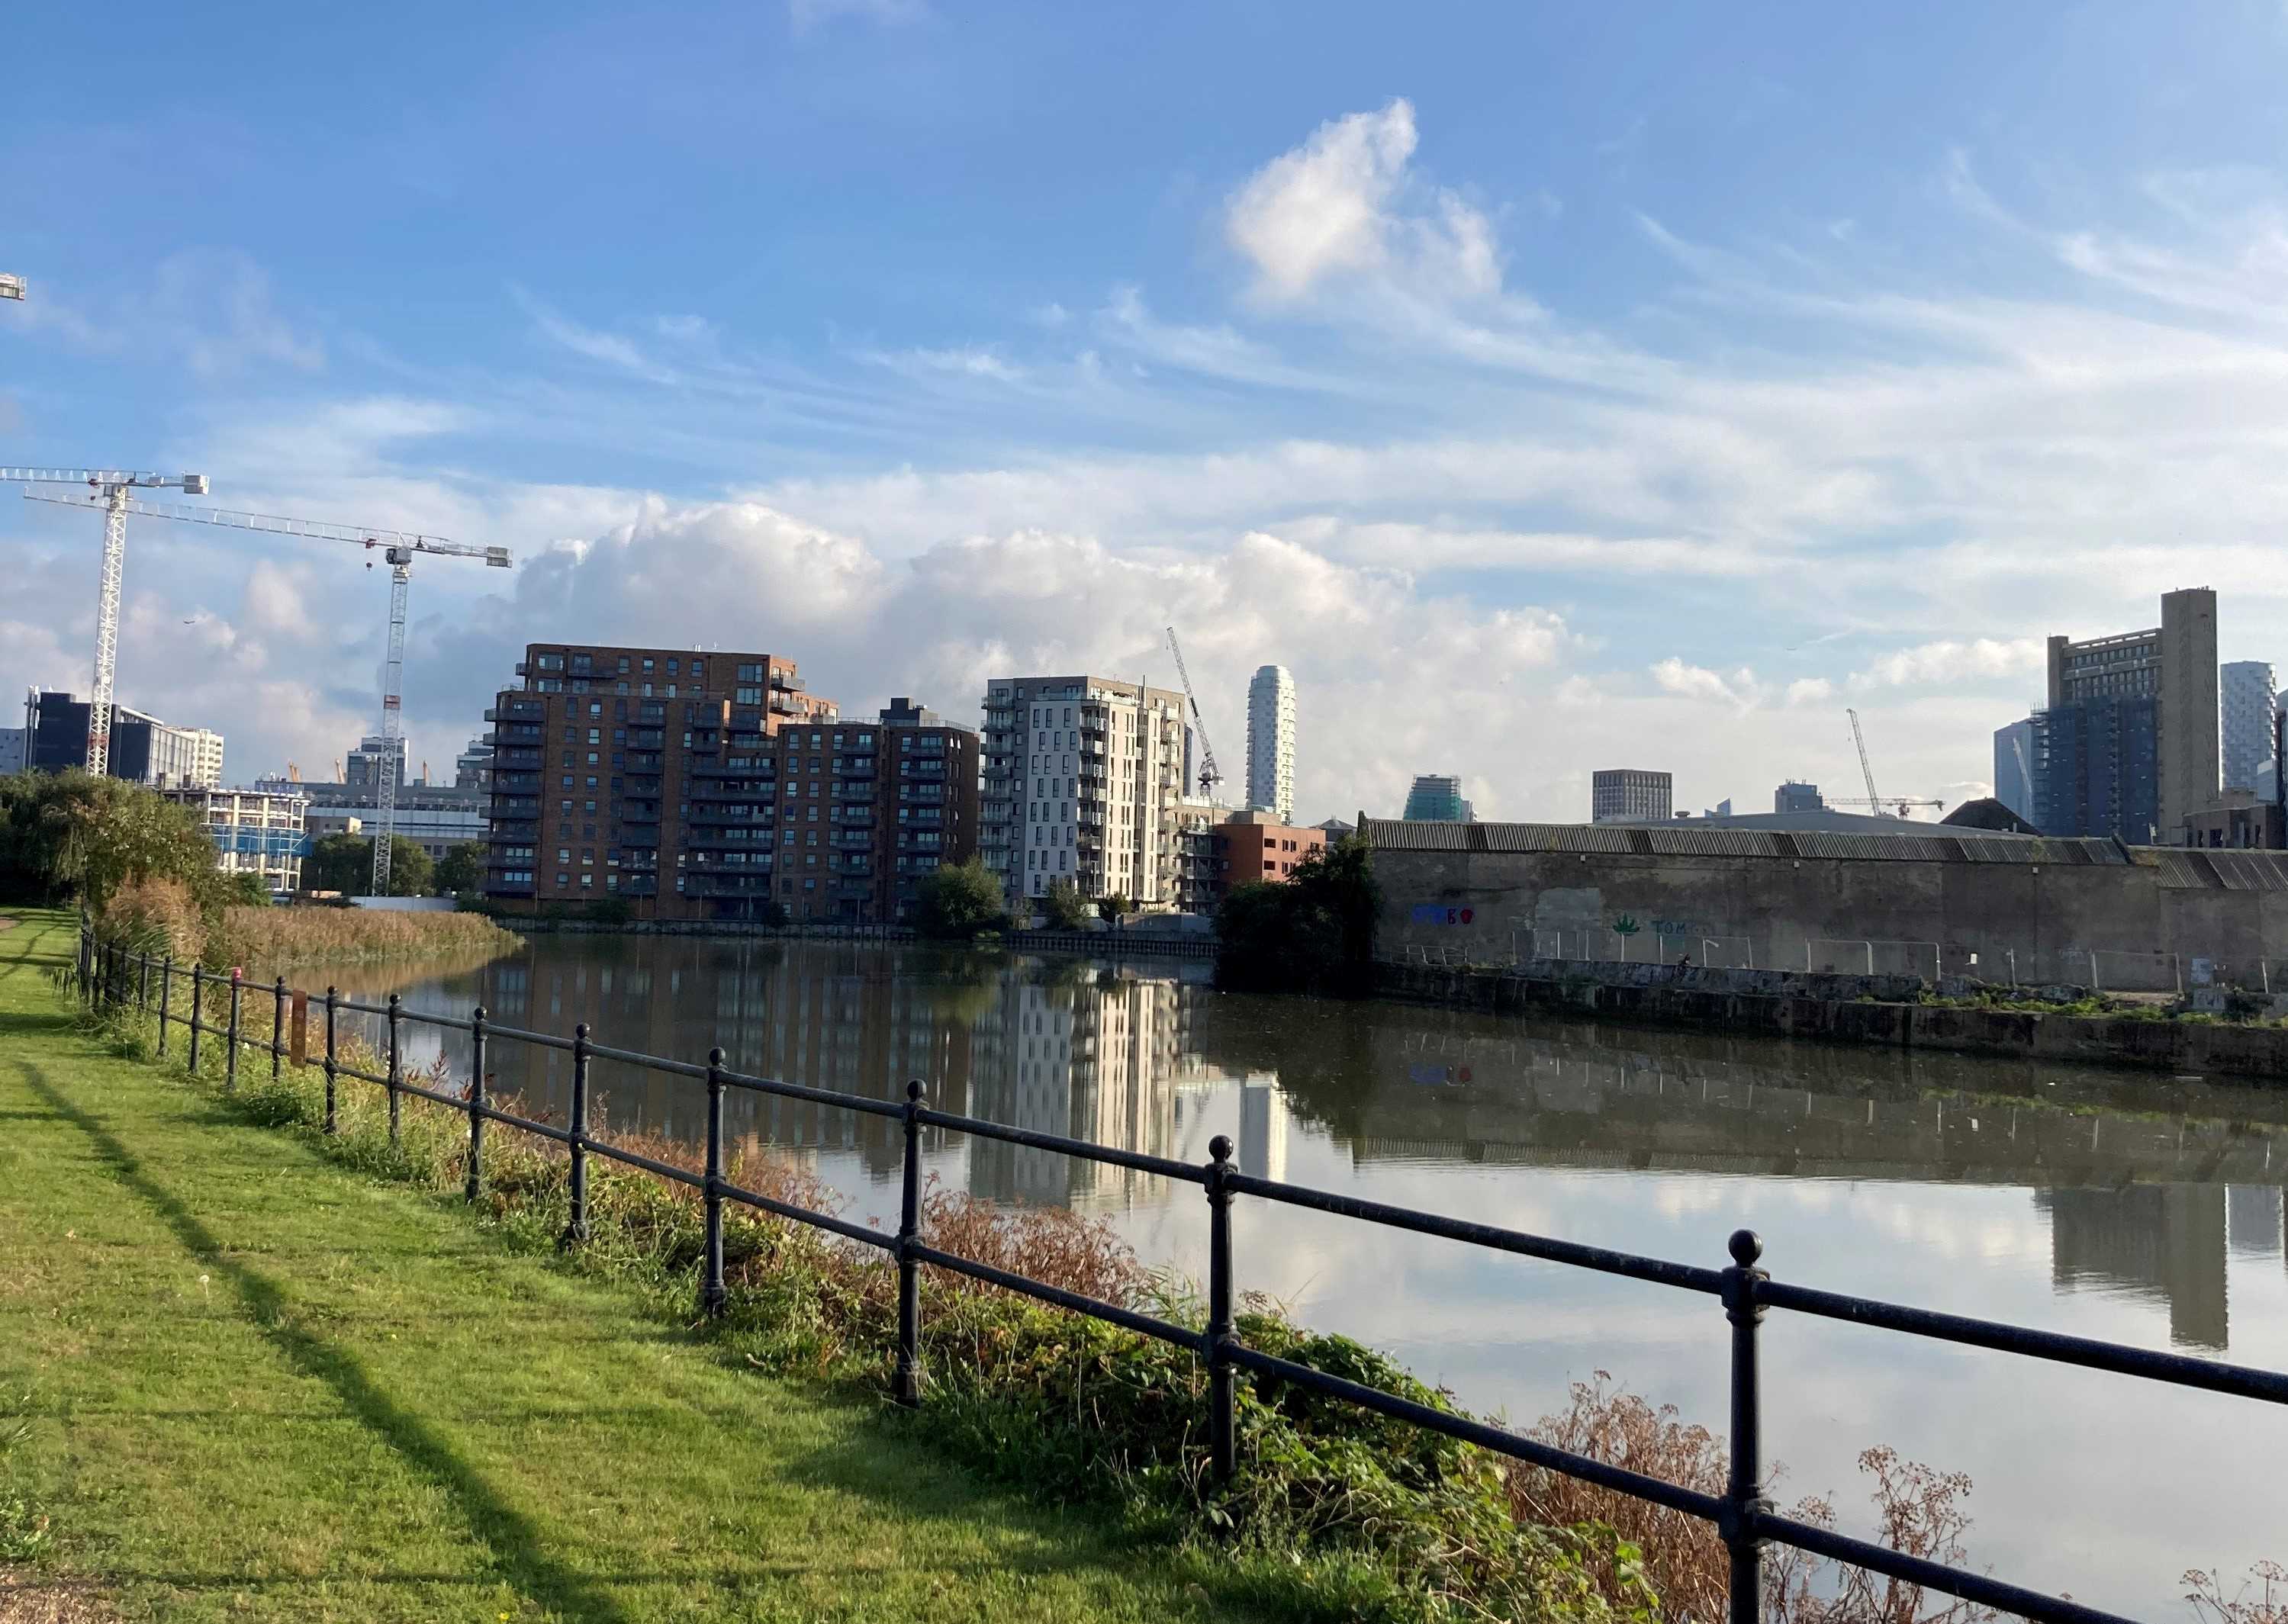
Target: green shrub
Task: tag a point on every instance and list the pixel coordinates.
(1311, 934)
(957, 901)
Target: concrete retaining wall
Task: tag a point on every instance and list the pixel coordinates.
(1826, 1007)
(2146, 916)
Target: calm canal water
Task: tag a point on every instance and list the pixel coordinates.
(2144, 1210)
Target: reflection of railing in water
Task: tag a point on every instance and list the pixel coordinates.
(1743, 1515)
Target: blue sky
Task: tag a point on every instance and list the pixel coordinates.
(1545, 385)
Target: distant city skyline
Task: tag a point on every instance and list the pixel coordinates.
(1531, 398)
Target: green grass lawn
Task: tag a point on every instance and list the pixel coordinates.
(249, 1384)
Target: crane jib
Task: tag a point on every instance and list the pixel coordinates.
(114, 486)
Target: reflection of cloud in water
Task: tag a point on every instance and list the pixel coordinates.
(2095, 1203)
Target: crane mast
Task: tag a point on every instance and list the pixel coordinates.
(393, 726)
(113, 485)
(1211, 775)
(398, 549)
(1865, 772)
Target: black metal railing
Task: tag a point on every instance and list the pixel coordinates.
(1742, 1516)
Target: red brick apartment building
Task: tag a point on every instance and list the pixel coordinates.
(1249, 846)
(710, 785)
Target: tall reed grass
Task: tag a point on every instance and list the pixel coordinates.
(275, 939)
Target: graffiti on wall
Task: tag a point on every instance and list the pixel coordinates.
(1439, 914)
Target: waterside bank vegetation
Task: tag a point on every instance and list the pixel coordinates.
(1338, 1512)
(144, 871)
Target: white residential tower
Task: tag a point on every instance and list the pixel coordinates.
(1081, 778)
(1271, 742)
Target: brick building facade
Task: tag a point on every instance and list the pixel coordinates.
(865, 810)
(640, 774)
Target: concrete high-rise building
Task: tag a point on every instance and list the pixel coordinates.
(1631, 794)
(1083, 779)
(363, 768)
(1271, 742)
(2246, 700)
(2014, 768)
(645, 774)
(1797, 797)
(2097, 769)
(473, 768)
(1437, 798)
(206, 773)
(254, 831)
(2163, 679)
(14, 756)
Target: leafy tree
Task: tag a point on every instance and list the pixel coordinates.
(460, 872)
(956, 900)
(1114, 906)
(1066, 907)
(344, 863)
(338, 862)
(1311, 934)
(246, 889)
(73, 835)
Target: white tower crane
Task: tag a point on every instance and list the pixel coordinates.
(1865, 771)
(1211, 775)
(397, 549)
(112, 484)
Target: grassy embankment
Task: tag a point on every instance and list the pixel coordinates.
(324, 1396)
(236, 1383)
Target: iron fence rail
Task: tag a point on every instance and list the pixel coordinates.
(1742, 1516)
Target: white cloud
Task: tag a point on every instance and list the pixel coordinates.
(1319, 209)
(965, 361)
(1344, 202)
(1951, 662)
(214, 310)
(1810, 691)
(1697, 682)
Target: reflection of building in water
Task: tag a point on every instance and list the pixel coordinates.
(1262, 1128)
(2165, 1243)
(2252, 1220)
(1095, 1060)
(826, 1017)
